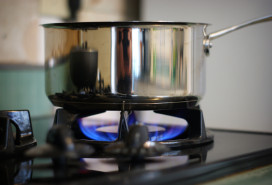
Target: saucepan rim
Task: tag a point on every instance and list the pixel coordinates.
(82, 25)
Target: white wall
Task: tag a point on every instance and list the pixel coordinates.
(239, 69)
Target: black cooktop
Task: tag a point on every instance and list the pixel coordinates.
(231, 152)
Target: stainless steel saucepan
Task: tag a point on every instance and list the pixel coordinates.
(128, 65)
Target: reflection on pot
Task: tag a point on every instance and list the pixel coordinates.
(83, 69)
(124, 56)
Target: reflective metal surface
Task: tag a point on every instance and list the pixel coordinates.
(158, 63)
(208, 37)
(129, 65)
(239, 26)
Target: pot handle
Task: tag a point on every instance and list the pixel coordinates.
(208, 37)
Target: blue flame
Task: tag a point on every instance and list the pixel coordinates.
(90, 130)
(166, 131)
(170, 132)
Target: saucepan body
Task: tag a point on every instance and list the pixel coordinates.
(128, 65)
(124, 65)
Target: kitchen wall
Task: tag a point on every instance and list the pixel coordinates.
(108, 10)
(19, 32)
(239, 77)
(21, 58)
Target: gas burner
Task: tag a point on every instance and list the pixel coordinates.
(100, 135)
(60, 144)
(17, 140)
(136, 145)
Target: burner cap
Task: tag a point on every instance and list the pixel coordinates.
(137, 144)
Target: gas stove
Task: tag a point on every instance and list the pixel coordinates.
(124, 147)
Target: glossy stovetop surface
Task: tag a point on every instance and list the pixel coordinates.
(229, 153)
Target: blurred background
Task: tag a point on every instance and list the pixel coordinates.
(239, 68)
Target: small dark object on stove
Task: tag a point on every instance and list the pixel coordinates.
(15, 141)
(60, 144)
(136, 145)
